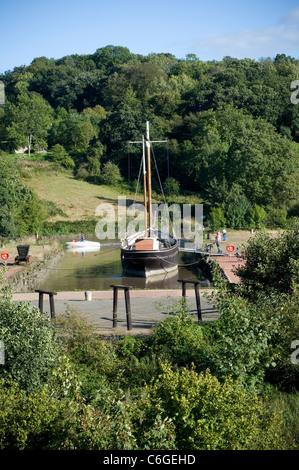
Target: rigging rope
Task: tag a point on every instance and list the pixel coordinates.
(162, 188)
(137, 186)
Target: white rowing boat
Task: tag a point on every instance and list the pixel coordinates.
(82, 243)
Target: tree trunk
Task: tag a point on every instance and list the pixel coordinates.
(29, 144)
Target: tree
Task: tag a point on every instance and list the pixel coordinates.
(109, 58)
(271, 262)
(76, 131)
(237, 208)
(29, 121)
(171, 187)
(94, 155)
(59, 155)
(217, 218)
(257, 217)
(22, 212)
(110, 174)
(231, 146)
(124, 124)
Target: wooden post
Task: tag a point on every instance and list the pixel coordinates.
(127, 302)
(128, 308)
(52, 308)
(197, 296)
(183, 292)
(184, 289)
(114, 307)
(197, 302)
(41, 302)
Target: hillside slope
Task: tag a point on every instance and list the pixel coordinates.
(77, 199)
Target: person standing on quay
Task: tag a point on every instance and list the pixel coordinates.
(218, 240)
(224, 234)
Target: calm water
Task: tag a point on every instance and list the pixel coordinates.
(97, 270)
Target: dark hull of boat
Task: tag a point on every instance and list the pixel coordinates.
(144, 263)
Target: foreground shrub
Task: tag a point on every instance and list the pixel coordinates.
(30, 422)
(93, 359)
(238, 343)
(271, 262)
(208, 415)
(285, 374)
(178, 338)
(30, 347)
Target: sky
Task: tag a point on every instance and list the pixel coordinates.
(210, 29)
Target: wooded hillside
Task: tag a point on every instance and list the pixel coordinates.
(231, 127)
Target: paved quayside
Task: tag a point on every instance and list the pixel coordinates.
(148, 307)
(227, 264)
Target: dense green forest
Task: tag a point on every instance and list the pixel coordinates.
(232, 130)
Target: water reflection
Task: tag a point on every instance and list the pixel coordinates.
(97, 270)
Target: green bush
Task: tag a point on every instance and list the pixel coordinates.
(179, 338)
(59, 155)
(33, 422)
(288, 405)
(171, 187)
(110, 174)
(22, 212)
(238, 344)
(53, 209)
(93, 359)
(64, 227)
(285, 374)
(30, 348)
(271, 262)
(209, 415)
(82, 173)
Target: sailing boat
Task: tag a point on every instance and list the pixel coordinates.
(150, 251)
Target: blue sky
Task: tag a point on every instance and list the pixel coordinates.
(210, 29)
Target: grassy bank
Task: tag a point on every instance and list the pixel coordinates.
(74, 199)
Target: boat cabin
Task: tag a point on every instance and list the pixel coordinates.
(147, 244)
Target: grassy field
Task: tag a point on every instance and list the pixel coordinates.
(77, 199)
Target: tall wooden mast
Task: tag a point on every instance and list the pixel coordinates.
(147, 201)
(149, 177)
(144, 185)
